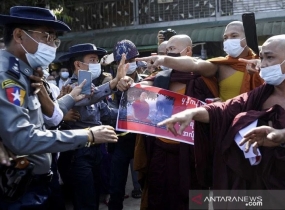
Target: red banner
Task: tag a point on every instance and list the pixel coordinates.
(142, 107)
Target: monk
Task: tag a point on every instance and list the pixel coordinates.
(226, 76)
(169, 168)
(229, 121)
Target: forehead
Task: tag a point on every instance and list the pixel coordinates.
(173, 43)
(234, 29)
(63, 69)
(272, 47)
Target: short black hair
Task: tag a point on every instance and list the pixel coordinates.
(8, 31)
(72, 60)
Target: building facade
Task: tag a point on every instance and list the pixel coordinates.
(104, 22)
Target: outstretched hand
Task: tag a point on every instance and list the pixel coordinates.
(252, 66)
(104, 134)
(182, 118)
(153, 61)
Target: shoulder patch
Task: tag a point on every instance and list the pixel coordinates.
(14, 67)
(15, 95)
(8, 82)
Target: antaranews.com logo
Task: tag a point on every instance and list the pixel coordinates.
(247, 200)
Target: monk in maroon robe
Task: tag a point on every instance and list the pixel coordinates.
(168, 169)
(216, 152)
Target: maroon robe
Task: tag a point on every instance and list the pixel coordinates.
(171, 167)
(224, 162)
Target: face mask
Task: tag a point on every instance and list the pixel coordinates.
(132, 67)
(272, 74)
(176, 54)
(95, 69)
(64, 74)
(52, 82)
(232, 47)
(42, 57)
(164, 68)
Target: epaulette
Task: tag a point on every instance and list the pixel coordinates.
(13, 68)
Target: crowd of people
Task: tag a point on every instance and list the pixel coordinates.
(53, 135)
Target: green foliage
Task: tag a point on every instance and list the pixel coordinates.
(57, 6)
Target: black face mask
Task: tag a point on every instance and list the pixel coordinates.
(174, 54)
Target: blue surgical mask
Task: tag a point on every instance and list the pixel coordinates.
(132, 67)
(64, 74)
(44, 55)
(95, 69)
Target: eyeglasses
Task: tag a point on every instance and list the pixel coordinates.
(50, 38)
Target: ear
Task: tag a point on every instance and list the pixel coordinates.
(189, 51)
(17, 35)
(77, 64)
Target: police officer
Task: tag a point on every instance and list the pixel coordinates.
(29, 36)
(84, 171)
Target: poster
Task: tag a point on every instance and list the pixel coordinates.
(142, 107)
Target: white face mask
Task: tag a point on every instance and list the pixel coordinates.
(44, 55)
(64, 74)
(232, 47)
(132, 67)
(272, 74)
(52, 82)
(95, 69)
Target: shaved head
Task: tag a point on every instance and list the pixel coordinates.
(182, 39)
(274, 45)
(279, 40)
(237, 24)
(180, 44)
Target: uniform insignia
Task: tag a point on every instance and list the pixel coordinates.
(8, 82)
(14, 67)
(15, 95)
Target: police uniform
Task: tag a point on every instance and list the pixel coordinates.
(90, 109)
(83, 173)
(22, 128)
